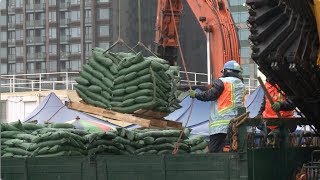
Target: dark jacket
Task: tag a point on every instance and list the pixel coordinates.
(217, 88)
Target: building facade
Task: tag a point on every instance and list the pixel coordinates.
(40, 36)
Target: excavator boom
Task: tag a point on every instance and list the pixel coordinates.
(216, 21)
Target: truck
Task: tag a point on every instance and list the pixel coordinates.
(285, 45)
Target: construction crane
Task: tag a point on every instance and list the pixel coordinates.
(216, 21)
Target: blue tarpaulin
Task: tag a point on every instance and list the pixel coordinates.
(52, 110)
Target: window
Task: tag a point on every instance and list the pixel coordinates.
(12, 51)
(75, 48)
(75, 1)
(30, 49)
(3, 35)
(75, 15)
(244, 34)
(246, 69)
(75, 32)
(52, 2)
(19, 18)
(19, 51)
(39, 16)
(88, 13)
(3, 52)
(64, 31)
(40, 49)
(104, 45)
(102, 1)
(12, 19)
(103, 30)
(64, 65)
(88, 33)
(19, 34)
(103, 14)
(75, 65)
(12, 68)
(64, 15)
(40, 65)
(52, 16)
(19, 68)
(64, 48)
(240, 17)
(53, 66)
(4, 69)
(30, 67)
(52, 49)
(245, 52)
(88, 47)
(19, 3)
(52, 33)
(236, 2)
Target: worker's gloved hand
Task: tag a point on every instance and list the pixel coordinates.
(192, 93)
(276, 106)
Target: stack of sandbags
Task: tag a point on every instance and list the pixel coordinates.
(15, 140)
(126, 82)
(52, 142)
(198, 144)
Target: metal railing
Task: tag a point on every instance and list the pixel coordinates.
(35, 7)
(40, 55)
(64, 6)
(11, 25)
(64, 39)
(64, 81)
(64, 55)
(35, 39)
(64, 22)
(35, 23)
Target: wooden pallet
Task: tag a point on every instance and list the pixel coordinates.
(130, 118)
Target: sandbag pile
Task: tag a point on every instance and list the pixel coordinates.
(126, 82)
(26, 139)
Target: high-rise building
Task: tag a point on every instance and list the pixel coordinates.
(51, 35)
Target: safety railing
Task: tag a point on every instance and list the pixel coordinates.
(65, 81)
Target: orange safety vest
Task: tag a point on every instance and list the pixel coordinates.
(276, 96)
(226, 106)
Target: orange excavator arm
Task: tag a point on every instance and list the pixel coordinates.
(215, 19)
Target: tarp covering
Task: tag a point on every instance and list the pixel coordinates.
(51, 109)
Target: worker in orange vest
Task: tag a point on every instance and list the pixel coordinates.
(281, 104)
(227, 95)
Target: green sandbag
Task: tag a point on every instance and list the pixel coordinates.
(43, 150)
(119, 80)
(131, 89)
(62, 153)
(156, 66)
(113, 69)
(121, 131)
(107, 82)
(162, 140)
(130, 134)
(162, 82)
(13, 142)
(24, 145)
(10, 134)
(136, 82)
(3, 140)
(99, 135)
(131, 109)
(143, 72)
(131, 76)
(118, 92)
(130, 149)
(58, 135)
(17, 151)
(200, 146)
(93, 80)
(98, 142)
(166, 151)
(94, 96)
(49, 143)
(82, 81)
(7, 155)
(163, 76)
(127, 103)
(78, 132)
(84, 96)
(95, 89)
(148, 152)
(58, 148)
(101, 149)
(121, 140)
(8, 127)
(143, 99)
(146, 85)
(102, 69)
(194, 140)
(156, 134)
(27, 137)
(157, 147)
(62, 125)
(98, 56)
(31, 126)
(135, 68)
(115, 104)
(113, 57)
(138, 58)
(87, 68)
(18, 125)
(138, 93)
(159, 60)
(106, 95)
(148, 140)
(183, 146)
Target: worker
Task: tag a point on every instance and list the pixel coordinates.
(227, 95)
(281, 104)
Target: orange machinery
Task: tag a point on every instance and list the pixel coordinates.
(215, 19)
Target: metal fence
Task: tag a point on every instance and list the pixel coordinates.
(65, 81)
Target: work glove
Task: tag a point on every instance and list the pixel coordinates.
(276, 106)
(192, 93)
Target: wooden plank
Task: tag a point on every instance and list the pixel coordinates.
(150, 113)
(144, 122)
(109, 114)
